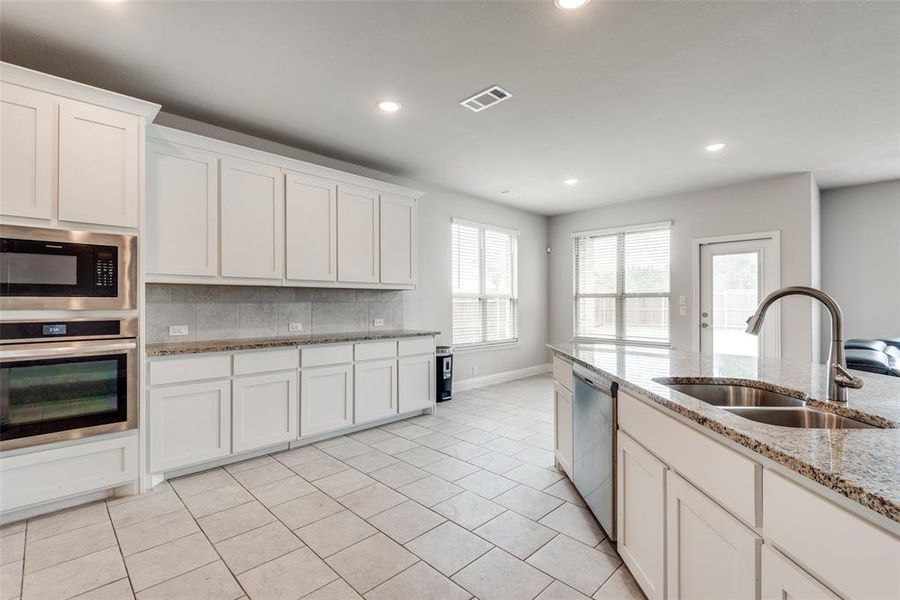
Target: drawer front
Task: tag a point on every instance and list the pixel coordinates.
(316, 356)
(856, 559)
(246, 363)
(195, 368)
(562, 372)
(720, 472)
(422, 345)
(375, 350)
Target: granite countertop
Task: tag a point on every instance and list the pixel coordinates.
(861, 464)
(176, 348)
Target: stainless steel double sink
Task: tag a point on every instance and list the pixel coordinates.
(761, 405)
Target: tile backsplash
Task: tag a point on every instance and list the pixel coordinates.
(215, 312)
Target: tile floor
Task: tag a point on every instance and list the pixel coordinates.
(465, 503)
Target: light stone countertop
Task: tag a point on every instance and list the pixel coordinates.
(860, 464)
(178, 348)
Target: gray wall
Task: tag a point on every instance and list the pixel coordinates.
(782, 203)
(429, 306)
(861, 257)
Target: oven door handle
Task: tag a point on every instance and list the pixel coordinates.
(66, 350)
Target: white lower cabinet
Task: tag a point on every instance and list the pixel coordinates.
(375, 392)
(562, 407)
(189, 424)
(415, 382)
(265, 410)
(326, 399)
(709, 553)
(641, 498)
(783, 580)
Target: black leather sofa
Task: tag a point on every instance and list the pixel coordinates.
(875, 356)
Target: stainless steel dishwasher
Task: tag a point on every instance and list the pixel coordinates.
(594, 445)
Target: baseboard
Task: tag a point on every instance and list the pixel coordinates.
(477, 382)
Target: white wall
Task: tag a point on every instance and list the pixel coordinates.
(782, 203)
(861, 257)
(429, 306)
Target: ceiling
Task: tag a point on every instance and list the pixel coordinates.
(621, 95)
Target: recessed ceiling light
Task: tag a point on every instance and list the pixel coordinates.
(569, 4)
(715, 147)
(571, 181)
(388, 106)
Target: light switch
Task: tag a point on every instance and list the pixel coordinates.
(178, 330)
(378, 323)
(295, 326)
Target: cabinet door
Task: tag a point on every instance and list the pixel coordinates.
(99, 165)
(562, 402)
(375, 395)
(709, 553)
(26, 152)
(310, 224)
(265, 410)
(252, 209)
(398, 239)
(182, 211)
(640, 514)
(782, 579)
(189, 424)
(326, 399)
(358, 255)
(415, 382)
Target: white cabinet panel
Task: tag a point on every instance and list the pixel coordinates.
(640, 514)
(562, 402)
(26, 152)
(182, 211)
(398, 239)
(783, 580)
(358, 254)
(252, 211)
(415, 382)
(99, 165)
(709, 553)
(326, 399)
(562, 372)
(189, 424)
(311, 227)
(375, 392)
(265, 410)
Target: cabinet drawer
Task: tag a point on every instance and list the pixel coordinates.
(720, 472)
(315, 356)
(422, 345)
(856, 559)
(196, 368)
(562, 372)
(373, 350)
(246, 363)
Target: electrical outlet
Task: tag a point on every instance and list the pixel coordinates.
(295, 326)
(474, 370)
(178, 330)
(378, 323)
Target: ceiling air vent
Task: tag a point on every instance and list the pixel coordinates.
(489, 97)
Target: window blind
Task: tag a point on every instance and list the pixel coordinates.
(485, 296)
(622, 284)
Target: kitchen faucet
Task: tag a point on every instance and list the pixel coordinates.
(839, 379)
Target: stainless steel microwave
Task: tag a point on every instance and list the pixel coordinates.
(59, 269)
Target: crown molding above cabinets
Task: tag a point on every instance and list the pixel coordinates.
(219, 213)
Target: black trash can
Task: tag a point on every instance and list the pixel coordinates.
(444, 374)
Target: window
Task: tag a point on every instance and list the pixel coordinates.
(485, 298)
(622, 284)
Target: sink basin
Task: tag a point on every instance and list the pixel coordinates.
(806, 418)
(733, 395)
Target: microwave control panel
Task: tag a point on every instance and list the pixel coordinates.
(106, 277)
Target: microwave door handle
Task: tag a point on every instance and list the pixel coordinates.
(69, 350)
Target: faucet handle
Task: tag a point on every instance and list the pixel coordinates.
(844, 379)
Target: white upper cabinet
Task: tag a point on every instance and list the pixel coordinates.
(99, 165)
(26, 152)
(182, 210)
(310, 222)
(252, 210)
(358, 233)
(398, 239)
